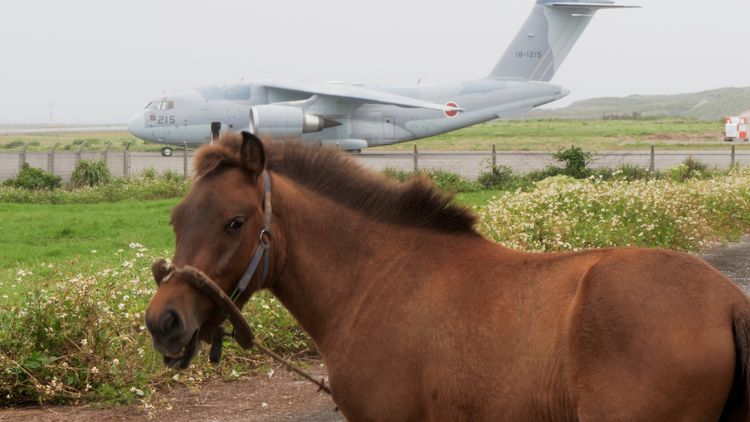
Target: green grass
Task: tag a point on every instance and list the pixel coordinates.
(592, 135)
(71, 142)
(477, 199)
(57, 234)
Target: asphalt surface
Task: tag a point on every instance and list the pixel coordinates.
(733, 260)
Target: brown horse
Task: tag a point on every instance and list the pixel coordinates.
(418, 317)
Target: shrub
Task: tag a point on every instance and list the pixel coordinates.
(550, 171)
(33, 179)
(90, 173)
(566, 214)
(398, 175)
(83, 338)
(576, 161)
(503, 178)
(688, 169)
(449, 182)
(148, 173)
(631, 172)
(172, 176)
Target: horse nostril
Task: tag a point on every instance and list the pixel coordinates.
(170, 323)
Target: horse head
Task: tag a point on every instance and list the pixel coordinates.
(218, 226)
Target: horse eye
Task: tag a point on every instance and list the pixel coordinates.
(235, 225)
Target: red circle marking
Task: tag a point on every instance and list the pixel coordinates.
(451, 113)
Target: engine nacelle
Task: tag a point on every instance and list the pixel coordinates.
(276, 121)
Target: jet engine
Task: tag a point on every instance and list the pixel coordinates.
(277, 121)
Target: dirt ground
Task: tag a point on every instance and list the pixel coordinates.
(282, 397)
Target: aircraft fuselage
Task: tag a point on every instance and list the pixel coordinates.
(186, 116)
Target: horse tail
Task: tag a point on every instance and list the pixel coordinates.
(737, 407)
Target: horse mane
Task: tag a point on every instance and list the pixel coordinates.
(340, 178)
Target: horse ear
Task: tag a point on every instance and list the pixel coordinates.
(252, 154)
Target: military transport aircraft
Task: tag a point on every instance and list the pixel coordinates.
(355, 116)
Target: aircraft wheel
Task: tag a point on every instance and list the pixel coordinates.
(166, 152)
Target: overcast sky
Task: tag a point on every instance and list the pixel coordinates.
(100, 61)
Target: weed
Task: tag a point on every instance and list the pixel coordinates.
(90, 173)
(447, 181)
(33, 179)
(691, 168)
(576, 161)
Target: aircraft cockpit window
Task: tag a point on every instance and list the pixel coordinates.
(166, 105)
(151, 105)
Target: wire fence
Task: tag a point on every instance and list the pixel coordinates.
(467, 164)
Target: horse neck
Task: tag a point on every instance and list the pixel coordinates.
(329, 255)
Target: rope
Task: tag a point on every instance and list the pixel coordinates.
(290, 366)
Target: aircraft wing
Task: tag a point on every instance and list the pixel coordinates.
(603, 5)
(356, 94)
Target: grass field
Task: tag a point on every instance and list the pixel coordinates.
(516, 135)
(63, 234)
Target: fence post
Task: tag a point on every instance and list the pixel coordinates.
(125, 154)
(185, 161)
(51, 160)
(652, 163)
(78, 155)
(733, 158)
(494, 158)
(416, 159)
(106, 149)
(22, 157)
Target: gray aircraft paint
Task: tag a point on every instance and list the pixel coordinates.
(363, 116)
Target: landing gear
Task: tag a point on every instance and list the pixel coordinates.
(215, 131)
(166, 152)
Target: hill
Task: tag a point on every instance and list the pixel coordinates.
(706, 105)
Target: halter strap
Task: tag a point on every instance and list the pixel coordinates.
(264, 246)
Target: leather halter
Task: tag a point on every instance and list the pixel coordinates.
(263, 249)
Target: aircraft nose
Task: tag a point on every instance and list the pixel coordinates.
(137, 126)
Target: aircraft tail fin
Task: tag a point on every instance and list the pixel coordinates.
(547, 37)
